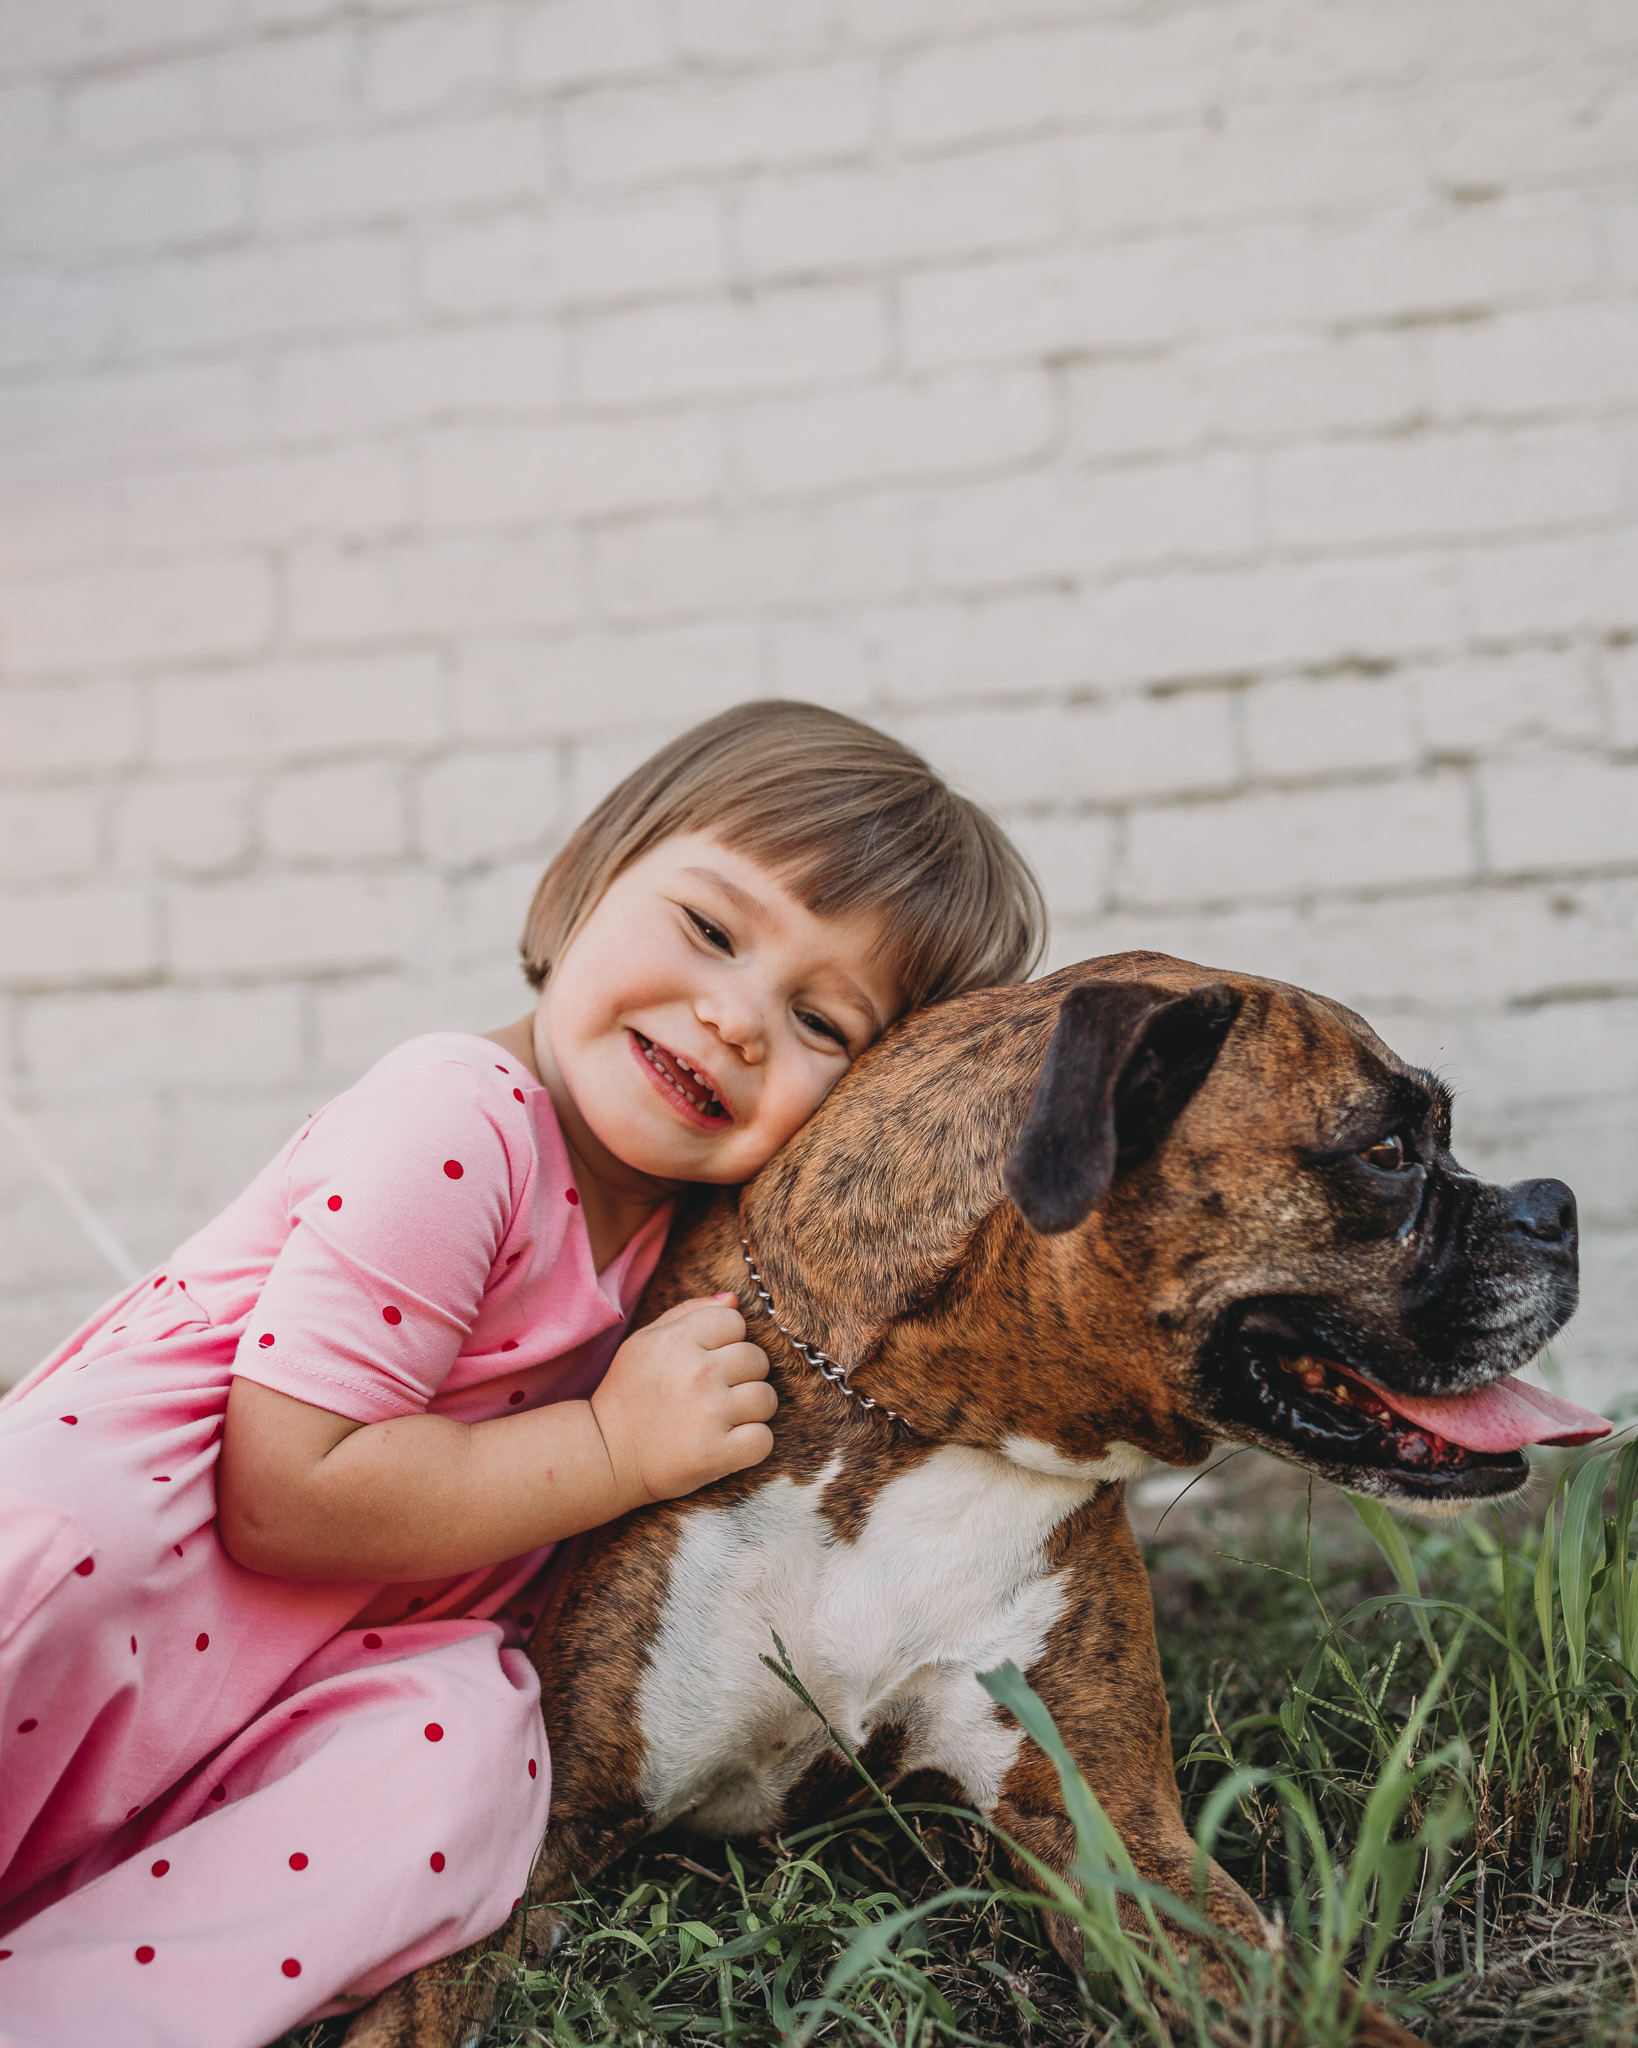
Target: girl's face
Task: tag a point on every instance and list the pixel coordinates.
(700, 1016)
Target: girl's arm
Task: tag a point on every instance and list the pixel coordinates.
(306, 1494)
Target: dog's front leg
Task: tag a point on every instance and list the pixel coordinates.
(443, 2005)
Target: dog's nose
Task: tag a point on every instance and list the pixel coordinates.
(1544, 1210)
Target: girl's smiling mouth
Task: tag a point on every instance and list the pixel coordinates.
(682, 1086)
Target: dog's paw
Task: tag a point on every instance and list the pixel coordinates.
(544, 1932)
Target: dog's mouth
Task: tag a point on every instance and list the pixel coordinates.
(1272, 1382)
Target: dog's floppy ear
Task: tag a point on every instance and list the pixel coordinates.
(1125, 1058)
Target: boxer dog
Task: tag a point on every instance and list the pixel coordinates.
(1035, 1239)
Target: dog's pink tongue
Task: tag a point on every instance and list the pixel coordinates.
(1505, 1416)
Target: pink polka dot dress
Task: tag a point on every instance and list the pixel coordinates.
(230, 1803)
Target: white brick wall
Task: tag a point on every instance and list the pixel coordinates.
(1210, 430)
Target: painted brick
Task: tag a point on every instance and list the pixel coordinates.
(1573, 127)
(1560, 813)
(153, 204)
(1479, 705)
(52, 524)
(74, 936)
(688, 567)
(356, 812)
(1082, 526)
(281, 87)
(1366, 836)
(366, 596)
(338, 492)
(1074, 859)
(211, 302)
(948, 651)
(1124, 296)
(1127, 73)
(889, 433)
(274, 924)
(428, 61)
(119, 616)
(68, 728)
(769, 342)
(358, 1018)
(478, 807)
(1444, 486)
(1345, 724)
(1555, 585)
(403, 171)
(1555, 359)
(745, 31)
(165, 1037)
(77, 424)
(50, 322)
(1620, 673)
(49, 835)
(291, 711)
(580, 254)
(690, 126)
(183, 825)
(810, 222)
(473, 477)
(154, 108)
(366, 386)
(580, 42)
(511, 689)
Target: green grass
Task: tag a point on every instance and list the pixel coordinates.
(1414, 1745)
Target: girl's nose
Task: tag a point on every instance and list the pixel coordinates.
(737, 1022)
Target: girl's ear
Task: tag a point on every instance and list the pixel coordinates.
(1125, 1058)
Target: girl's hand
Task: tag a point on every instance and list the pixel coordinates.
(685, 1401)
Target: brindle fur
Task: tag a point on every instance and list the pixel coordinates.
(886, 1239)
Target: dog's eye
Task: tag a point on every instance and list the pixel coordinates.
(1387, 1155)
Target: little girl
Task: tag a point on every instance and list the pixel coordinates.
(273, 1523)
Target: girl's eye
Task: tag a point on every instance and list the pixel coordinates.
(822, 1026)
(713, 934)
(1387, 1155)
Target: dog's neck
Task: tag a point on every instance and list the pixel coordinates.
(891, 1246)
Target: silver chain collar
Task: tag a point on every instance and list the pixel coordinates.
(826, 1366)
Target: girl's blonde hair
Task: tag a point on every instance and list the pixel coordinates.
(845, 817)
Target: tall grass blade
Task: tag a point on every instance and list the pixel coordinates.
(1390, 1540)
(1580, 1548)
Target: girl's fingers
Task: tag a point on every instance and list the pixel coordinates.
(749, 1444)
(740, 1362)
(752, 1401)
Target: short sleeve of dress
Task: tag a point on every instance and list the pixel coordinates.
(398, 1196)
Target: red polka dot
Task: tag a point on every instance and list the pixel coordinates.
(511, 1344)
(454, 1168)
(433, 1732)
(133, 1646)
(160, 1868)
(162, 1479)
(334, 1202)
(160, 1282)
(27, 1727)
(416, 1604)
(86, 1566)
(518, 1092)
(265, 1340)
(218, 1793)
(201, 1642)
(290, 1967)
(572, 1197)
(372, 1641)
(392, 1315)
(177, 1548)
(114, 1332)
(4, 1952)
(534, 1768)
(499, 1069)
(516, 1903)
(436, 1859)
(70, 1418)
(515, 1400)
(301, 1713)
(145, 1954)
(298, 1861)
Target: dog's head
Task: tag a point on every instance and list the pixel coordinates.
(1276, 1191)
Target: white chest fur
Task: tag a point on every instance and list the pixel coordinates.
(947, 1578)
